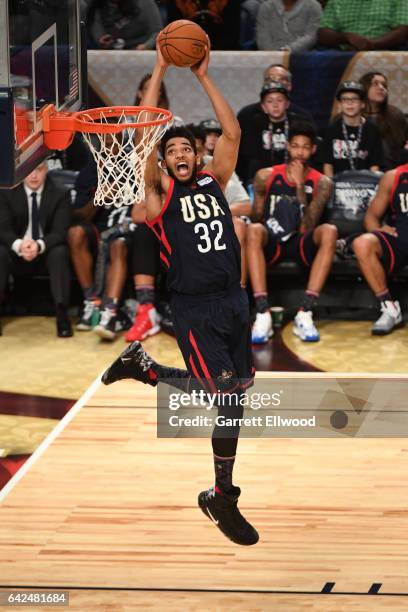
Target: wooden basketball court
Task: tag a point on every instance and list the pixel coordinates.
(109, 512)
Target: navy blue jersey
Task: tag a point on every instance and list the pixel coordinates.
(198, 244)
(399, 202)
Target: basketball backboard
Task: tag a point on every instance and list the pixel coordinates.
(42, 62)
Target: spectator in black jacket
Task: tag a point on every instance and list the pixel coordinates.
(351, 142)
(267, 136)
(279, 74)
(34, 219)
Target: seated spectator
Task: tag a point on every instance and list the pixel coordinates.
(199, 136)
(364, 26)
(266, 143)
(163, 101)
(249, 12)
(384, 249)
(34, 219)
(219, 18)
(351, 142)
(389, 119)
(289, 201)
(287, 24)
(93, 224)
(212, 131)
(279, 74)
(123, 24)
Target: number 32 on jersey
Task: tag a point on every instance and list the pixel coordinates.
(199, 207)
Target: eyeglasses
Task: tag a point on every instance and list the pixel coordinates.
(349, 99)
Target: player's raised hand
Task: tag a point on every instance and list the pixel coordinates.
(152, 93)
(200, 69)
(160, 61)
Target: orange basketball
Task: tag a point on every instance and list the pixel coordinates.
(182, 43)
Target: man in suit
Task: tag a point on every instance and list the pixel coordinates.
(34, 219)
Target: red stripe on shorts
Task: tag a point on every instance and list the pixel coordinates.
(202, 362)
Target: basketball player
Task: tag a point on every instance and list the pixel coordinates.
(189, 214)
(384, 249)
(289, 200)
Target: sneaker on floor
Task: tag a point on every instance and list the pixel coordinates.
(134, 363)
(304, 328)
(89, 316)
(391, 318)
(262, 328)
(147, 323)
(223, 511)
(106, 326)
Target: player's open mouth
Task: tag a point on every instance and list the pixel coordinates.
(182, 168)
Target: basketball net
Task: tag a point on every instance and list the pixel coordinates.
(120, 142)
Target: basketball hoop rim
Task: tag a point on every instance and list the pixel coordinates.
(59, 127)
(82, 123)
(54, 121)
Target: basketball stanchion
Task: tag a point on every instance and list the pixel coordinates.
(120, 138)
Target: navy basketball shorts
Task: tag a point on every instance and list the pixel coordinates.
(394, 251)
(299, 247)
(214, 336)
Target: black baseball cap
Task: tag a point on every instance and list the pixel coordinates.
(273, 87)
(211, 125)
(353, 86)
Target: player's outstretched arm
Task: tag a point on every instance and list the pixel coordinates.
(153, 187)
(156, 181)
(380, 203)
(152, 93)
(226, 150)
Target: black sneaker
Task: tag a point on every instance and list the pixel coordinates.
(106, 328)
(134, 363)
(223, 511)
